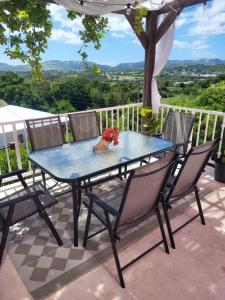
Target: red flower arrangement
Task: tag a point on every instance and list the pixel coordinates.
(108, 135)
(111, 134)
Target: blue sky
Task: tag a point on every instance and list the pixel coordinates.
(200, 33)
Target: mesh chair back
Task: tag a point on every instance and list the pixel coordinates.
(178, 129)
(192, 167)
(143, 190)
(45, 132)
(84, 125)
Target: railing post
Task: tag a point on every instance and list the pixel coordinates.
(17, 147)
(221, 137)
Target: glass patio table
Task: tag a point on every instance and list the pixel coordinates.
(75, 162)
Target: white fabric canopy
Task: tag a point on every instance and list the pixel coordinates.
(101, 7)
(163, 50)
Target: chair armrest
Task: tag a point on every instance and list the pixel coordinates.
(27, 196)
(17, 173)
(180, 145)
(159, 135)
(102, 204)
(14, 173)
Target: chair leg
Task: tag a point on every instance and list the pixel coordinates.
(125, 171)
(87, 224)
(51, 227)
(43, 178)
(89, 182)
(33, 175)
(199, 206)
(115, 254)
(6, 231)
(85, 187)
(45, 216)
(119, 174)
(162, 232)
(168, 224)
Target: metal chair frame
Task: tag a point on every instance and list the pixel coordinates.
(185, 144)
(72, 126)
(113, 231)
(11, 203)
(30, 134)
(170, 199)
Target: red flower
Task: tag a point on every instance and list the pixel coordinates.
(111, 134)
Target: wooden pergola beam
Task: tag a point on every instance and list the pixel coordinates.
(173, 5)
(143, 37)
(179, 4)
(151, 30)
(167, 22)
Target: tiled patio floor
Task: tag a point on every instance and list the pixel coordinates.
(195, 270)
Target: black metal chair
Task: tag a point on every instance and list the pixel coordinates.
(178, 129)
(45, 133)
(84, 125)
(21, 205)
(186, 182)
(137, 202)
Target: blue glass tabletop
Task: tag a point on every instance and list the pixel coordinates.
(77, 161)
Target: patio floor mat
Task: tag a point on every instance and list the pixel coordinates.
(44, 267)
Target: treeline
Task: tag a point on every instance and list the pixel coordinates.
(209, 98)
(65, 95)
(171, 86)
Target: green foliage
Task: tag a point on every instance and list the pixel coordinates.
(2, 103)
(149, 120)
(139, 13)
(26, 25)
(24, 29)
(13, 160)
(94, 30)
(65, 95)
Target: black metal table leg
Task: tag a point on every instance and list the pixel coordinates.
(75, 213)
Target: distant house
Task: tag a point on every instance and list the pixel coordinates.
(10, 114)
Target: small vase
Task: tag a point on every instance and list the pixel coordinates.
(102, 145)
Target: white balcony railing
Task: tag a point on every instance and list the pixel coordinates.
(208, 125)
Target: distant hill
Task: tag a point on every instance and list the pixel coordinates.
(201, 61)
(66, 66)
(127, 66)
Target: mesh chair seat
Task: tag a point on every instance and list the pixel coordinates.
(28, 207)
(186, 182)
(113, 198)
(131, 205)
(178, 129)
(84, 125)
(45, 132)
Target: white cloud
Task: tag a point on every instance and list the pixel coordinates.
(136, 42)
(205, 22)
(118, 35)
(180, 44)
(59, 15)
(194, 45)
(65, 36)
(199, 48)
(69, 30)
(118, 24)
